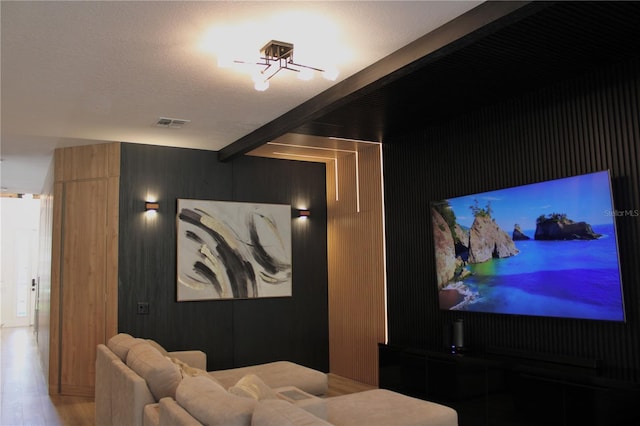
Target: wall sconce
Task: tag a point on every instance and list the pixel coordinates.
(304, 214)
(151, 206)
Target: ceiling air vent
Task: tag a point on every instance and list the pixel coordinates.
(171, 123)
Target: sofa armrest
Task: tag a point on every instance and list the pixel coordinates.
(104, 371)
(172, 414)
(195, 359)
(130, 394)
(151, 415)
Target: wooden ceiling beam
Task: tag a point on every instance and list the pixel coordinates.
(462, 31)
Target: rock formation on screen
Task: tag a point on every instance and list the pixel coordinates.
(488, 241)
(518, 235)
(444, 247)
(558, 226)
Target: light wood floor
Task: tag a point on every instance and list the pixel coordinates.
(24, 400)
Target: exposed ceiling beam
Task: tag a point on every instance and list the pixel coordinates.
(462, 31)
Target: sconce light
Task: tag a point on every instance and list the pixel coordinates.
(151, 206)
(304, 214)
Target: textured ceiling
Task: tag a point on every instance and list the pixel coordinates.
(81, 72)
(87, 72)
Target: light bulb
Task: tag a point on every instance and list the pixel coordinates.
(261, 86)
(331, 73)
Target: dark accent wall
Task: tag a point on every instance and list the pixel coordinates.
(588, 123)
(231, 332)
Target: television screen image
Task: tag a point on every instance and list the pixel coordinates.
(544, 249)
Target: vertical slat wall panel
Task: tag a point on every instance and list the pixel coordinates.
(231, 332)
(356, 267)
(581, 125)
(293, 328)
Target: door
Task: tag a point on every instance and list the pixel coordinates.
(20, 222)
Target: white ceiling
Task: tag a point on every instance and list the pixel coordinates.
(88, 72)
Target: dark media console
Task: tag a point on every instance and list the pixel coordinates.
(501, 387)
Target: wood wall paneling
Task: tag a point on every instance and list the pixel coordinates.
(56, 278)
(112, 236)
(43, 304)
(84, 263)
(356, 266)
(355, 243)
(581, 125)
(83, 283)
(93, 158)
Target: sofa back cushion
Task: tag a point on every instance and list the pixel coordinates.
(121, 343)
(212, 405)
(277, 412)
(162, 376)
(158, 346)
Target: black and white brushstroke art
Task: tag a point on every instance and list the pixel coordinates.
(232, 250)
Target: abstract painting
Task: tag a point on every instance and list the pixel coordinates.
(232, 250)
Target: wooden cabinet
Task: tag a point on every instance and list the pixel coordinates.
(490, 389)
(84, 264)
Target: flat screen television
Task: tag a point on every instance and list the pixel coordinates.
(545, 249)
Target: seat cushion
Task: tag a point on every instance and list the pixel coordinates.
(212, 405)
(162, 375)
(277, 374)
(384, 407)
(304, 400)
(274, 412)
(251, 386)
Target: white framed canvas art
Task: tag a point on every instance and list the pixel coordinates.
(233, 250)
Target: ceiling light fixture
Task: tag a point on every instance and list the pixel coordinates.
(276, 56)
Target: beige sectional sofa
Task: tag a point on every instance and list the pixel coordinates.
(132, 373)
(201, 401)
(139, 383)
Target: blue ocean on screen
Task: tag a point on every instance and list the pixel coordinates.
(575, 279)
